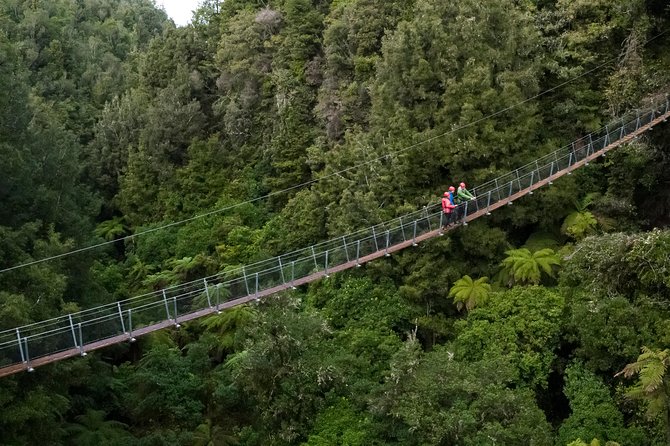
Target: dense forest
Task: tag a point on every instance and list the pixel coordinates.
(547, 323)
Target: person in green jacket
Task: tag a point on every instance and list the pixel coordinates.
(462, 194)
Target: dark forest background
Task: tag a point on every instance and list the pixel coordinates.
(509, 331)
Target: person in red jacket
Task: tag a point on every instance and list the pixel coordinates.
(447, 208)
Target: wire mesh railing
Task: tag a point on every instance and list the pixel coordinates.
(563, 158)
(123, 319)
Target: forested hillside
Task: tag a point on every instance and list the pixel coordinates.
(547, 323)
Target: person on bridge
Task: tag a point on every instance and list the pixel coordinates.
(463, 195)
(452, 189)
(447, 207)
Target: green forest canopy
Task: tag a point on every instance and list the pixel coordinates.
(114, 121)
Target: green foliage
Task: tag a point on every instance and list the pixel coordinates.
(609, 330)
(583, 222)
(209, 434)
(524, 267)
(341, 424)
(540, 240)
(163, 389)
(442, 400)
(653, 383)
(32, 416)
(633, 265)
(224, 327)
(301, 223)
(594, 442)
(470, 293)
(352, 42)
(578, 224)
(288, 364)
(93, 429)
(36, 292)
(114, 121)
(112, 229)
(429, 82)
(522, 325)
(593, 411)
(360, 302)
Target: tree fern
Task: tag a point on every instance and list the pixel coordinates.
(653, 384)
(523, 267)
(112, 229)
(469, 292)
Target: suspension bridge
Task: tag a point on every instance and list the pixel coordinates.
(26, 347)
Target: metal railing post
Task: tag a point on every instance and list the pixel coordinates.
(281, 270)
(388, 239)
(81, 341)
(402, 228)
(209, 298)
(637, 121)
(25, 349)
(246, 284)
(123, 325)
(465, 213)
(346, 250)
(358, 252)
(488, 204)
(18, 337)
(167, 309)
(425, 210)
(174, 302)
(509, 196)
(218, 297)
(532, 181)
(74, 336)
(607, 136)
(570, 163)
(256, 294)
(316, 265)
(374, 236)
(130, 325)
(293, 274)
(325, 264)
(497, 189)
(414, 237)
(551, 172)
